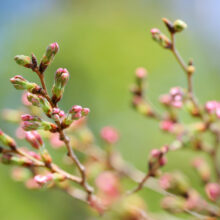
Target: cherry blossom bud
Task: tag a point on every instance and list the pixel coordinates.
(203, 168)
(40, 179)
(45, 156)
(213, 191)
(167, 125)
(23, 60)
(141, 73)
(160, 38)
(7, 140)
(211, 106)
(15, 160)
(45, 105)
(174, 183)
(75, 109)
(27, 117)
(33, 99)
(48, 57)
(109, 134)
(61, 79)
(155, 153)
(85, 111)
(173, 204)
(34, 139)
(108, 183)
(179, 25)
(21, 84)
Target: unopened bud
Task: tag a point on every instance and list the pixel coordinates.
(213, 191)
(179, 25)
(160, 38)
(34, 139)
(45, 105)
(23, 61)
(14, 160)
(61, 79)
(173, 204)
(21, 84)
(48, 57)
(175, 183)
(45, 156)
(109, 134)
(141, 73)
(203, 168)
(7, 140)
(33, 99)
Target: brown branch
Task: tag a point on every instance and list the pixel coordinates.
(65, 139)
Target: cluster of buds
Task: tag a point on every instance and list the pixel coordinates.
(75, 113)
(157, 159)
(174, 98)
(105, 165)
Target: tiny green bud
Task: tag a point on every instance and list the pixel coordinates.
(179, 25)
(23, 60)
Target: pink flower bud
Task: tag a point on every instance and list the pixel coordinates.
(85, 111)
(210, 106)
(61, 114)
(34, 155)
(107, 182)
(213, 191)
(155, 153)
(34, 139)
(109, 134)
(40, 179)
(166, 125)
(155, 31)
(76, 108)
(162, 161)
(28, 117)
(141, 72)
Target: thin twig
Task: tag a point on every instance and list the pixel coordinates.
(65, 139)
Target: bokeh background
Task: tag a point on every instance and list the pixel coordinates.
(102, 43)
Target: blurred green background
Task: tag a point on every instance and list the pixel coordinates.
(101, 44)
